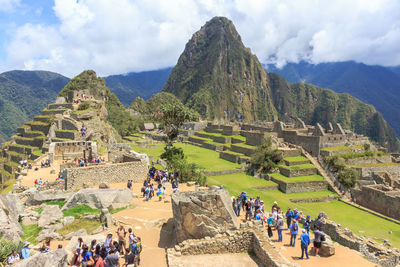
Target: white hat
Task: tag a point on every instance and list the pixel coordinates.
(26, 244)
(304, 230)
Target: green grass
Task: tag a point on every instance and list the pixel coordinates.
(25, 146)
(112, 211)
(60, 203)
(67, 131)
(31, 232)
(38, 210)
(38, 123)
(366, 165)
(238, 136)
(8, 185)
(294, 159)
(208, 159)
(88, 225)
(80, 211)
(336, 148)
(346, 215)
(241, 178)
(299, 167)
(37, 152)
(245, 145)
(298, 179)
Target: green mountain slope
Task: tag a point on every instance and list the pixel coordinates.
(23, 94)
(217, 76)
(314, 104)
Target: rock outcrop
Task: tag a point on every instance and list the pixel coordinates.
(49, 215)
(201, 214)
(327, 248)
(100, 198)
(39, 197)
(55, 258)
(10, 210)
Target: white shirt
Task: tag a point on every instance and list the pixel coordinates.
(13, 258)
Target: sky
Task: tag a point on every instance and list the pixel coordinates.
(120, 36)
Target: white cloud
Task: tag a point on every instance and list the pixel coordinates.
(125, 35)
(8, 5)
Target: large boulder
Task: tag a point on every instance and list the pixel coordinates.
(100, 198)
(50, 215)
(10, 210)
(201, 214)
(39, 197)
(327, 248)
(55, 258)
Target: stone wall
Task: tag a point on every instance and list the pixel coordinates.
(289, 188)
(244, 150)
(66, 134)
(76, 178)
(379, 198)
(72, 149)
(230, 129)
(44, 128)
(299, 172)
(308, 142)
(368, 171)
(229, 156)
(194, 126)
(255, 138)
(385, 159)
(247, 239)
(68, 125)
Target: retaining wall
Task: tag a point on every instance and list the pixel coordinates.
(384, 159)
(300, 187)
(300, 172)
(229, 157)
(65, 134)
(68, 125)
(244, 150)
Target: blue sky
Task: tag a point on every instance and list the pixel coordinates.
(119, 36)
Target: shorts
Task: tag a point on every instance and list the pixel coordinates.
(317, 244)
(122, 243)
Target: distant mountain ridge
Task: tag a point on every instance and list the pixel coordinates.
(376, 85)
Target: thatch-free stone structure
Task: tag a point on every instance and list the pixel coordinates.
(201, 214)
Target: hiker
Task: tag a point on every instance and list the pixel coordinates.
(132, 238)
(93, 247)
(129, 184)
(121, 233)
(289, 215)
(136, 250)
(270, 223)
(87, 257)
(275, 206)
(294, 227)
(257, 203)
(307, 224)
(279, 227)
(234, 206)
(129, 258)
(45, 246)
(248, 210)
(112, 259)
(319, 236)
(305, 241)
(159, 194)
(25, 252)
(40, 182)
(239, 205)
(98, 260)
(296, 215)
(147, 193)
(13, 258)
(108, 241)
(262, 206)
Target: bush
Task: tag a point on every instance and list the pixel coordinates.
(336, 163)
(6, 247)
(348, 177)
(266, 158)
(367, 146)
(84, 106)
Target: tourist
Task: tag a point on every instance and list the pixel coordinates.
(248, 208)
(99, 262)
(296, 215)
(275, 214)
(319, 236)
(112, 259)
(40, 182)
(270, 223)
(307, 224)
(108, 241)
(305, 241)
(129, 185)
(45, 246)
(129, 258)
(25, 252)
(257, 203)
(294, 228)
(147, 193)
(136, 250)
(234, 206)
(279, 227)
(93, 246)
(275, 206)
(79, 244)
(36, 183)
(121, 233)
(131, 238)
(289, 216)
(159, 193)
(13, 258)
(239, 205)
(262, 206)
(163, 191)
(87, 257)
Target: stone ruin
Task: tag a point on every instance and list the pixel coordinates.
(72, 149)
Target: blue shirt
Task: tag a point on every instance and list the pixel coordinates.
(25, 253)
(86, 256)
(305, 239)
(270, 220)
(294, 230)
(289, 214)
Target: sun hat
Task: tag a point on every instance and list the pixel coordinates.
(304, 230)
(26, 244)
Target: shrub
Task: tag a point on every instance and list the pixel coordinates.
(335, 163)
(84, 106)
(6, 247)
(367, 146)
(265, 158)
(348, 177)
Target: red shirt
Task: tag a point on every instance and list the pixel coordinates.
(100, 262)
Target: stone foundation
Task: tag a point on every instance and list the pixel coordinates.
(300, 187)
(300, 172)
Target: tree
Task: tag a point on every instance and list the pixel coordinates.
(266, 158)
(172, 116)
(348, 177)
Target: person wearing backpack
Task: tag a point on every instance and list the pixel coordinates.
(136, 250)
(319, 237)
(289, 215)
(305, 241)
(294, 228)
(87, 257)
(25, 253)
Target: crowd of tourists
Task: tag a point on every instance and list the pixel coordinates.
(25, 252)
(83, 130)
(254, 209)
(110, 251)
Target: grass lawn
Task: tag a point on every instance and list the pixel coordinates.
(209, 160)
(80, 211)
(60, 203)
(88, 225)
(245, 145)
(336, 148)
(298, 179)
(298, 167)
(31, 232)
(346, 215)
(294, 159)
(8, 186)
